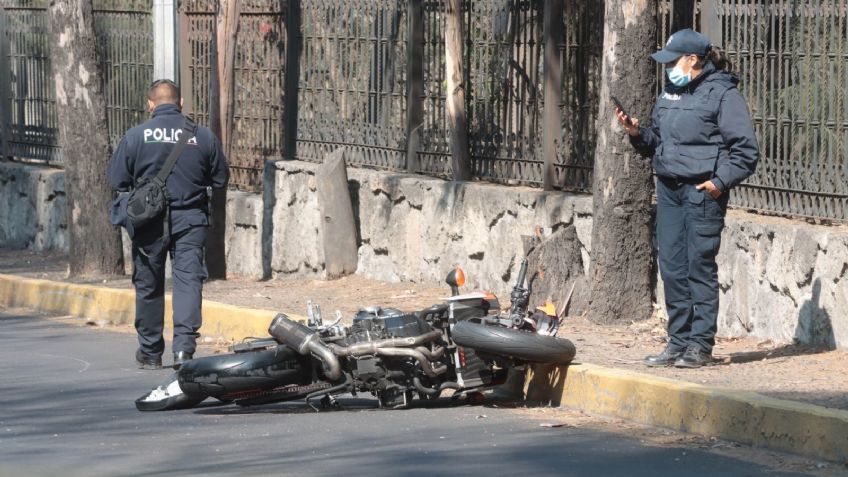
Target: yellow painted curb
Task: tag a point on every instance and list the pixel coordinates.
(118, 306)
(739, 416)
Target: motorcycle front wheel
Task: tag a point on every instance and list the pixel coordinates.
(524, 345)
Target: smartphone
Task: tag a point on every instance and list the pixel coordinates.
(619, 106)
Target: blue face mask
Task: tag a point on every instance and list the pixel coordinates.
(676, 76)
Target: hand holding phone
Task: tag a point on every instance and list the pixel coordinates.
(621, 108)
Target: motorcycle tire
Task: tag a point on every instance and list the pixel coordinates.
(523, 345)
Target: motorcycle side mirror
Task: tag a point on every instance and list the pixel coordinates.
(456, 279)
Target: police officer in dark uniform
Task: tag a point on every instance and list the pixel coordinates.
(142, 153)
(702, 144)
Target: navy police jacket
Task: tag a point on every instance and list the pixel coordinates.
(701, 131)
(144, 150)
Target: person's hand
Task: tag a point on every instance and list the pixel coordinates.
(631, 127)
(711, 189)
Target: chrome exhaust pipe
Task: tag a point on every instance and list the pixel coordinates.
(371, 347)
(432, 355)
(305, 341)
(428, 369)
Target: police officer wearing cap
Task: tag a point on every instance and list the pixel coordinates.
(142, 153)
(702, 144)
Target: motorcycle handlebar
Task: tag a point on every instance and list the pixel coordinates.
(522, 274)
(519, 295)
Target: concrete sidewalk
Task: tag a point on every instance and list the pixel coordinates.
(743, 417)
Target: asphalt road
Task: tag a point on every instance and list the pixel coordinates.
(66, 408)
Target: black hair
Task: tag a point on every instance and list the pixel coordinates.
(164, 91)
(718, 57)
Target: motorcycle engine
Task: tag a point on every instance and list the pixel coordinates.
(379, 323)
(388, 378)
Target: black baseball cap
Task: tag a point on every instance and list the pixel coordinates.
(683, 42)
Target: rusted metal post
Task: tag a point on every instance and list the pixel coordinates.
(552, 126)
(457, 121)
(415, 83)
(292, 77)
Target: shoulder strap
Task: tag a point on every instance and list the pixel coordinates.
(188, 132)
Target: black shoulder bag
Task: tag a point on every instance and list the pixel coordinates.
(150, 200)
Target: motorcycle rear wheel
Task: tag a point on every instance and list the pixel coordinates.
(524, 345)
(231, 377)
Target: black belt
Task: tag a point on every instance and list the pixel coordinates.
(679, 181)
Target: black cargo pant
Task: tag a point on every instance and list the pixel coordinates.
(689, 225)
(189, 272)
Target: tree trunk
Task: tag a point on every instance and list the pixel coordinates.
(620, 273)
(95, 245)
(216, 250)
(457, 121)
(226, 36)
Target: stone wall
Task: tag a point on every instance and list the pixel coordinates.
(32, 207)
(243, 235)
(416, 229)
(780, 279)
(784, 280)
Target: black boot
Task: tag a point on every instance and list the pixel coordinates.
(666, 358)
(147, 362)
(181, 357)
(694, 357)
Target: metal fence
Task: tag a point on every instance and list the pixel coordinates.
(504, 70)
(125, 54)
(351, 85)
(503, 41)
(314, 76)
(792, 56)
(258, 81)
(581, 72)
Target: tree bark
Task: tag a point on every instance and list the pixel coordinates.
(216, 250)
(95, 245)
(620, 272)
(226, 37)
(457, 121)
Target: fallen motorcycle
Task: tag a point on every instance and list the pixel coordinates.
(465, 344)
